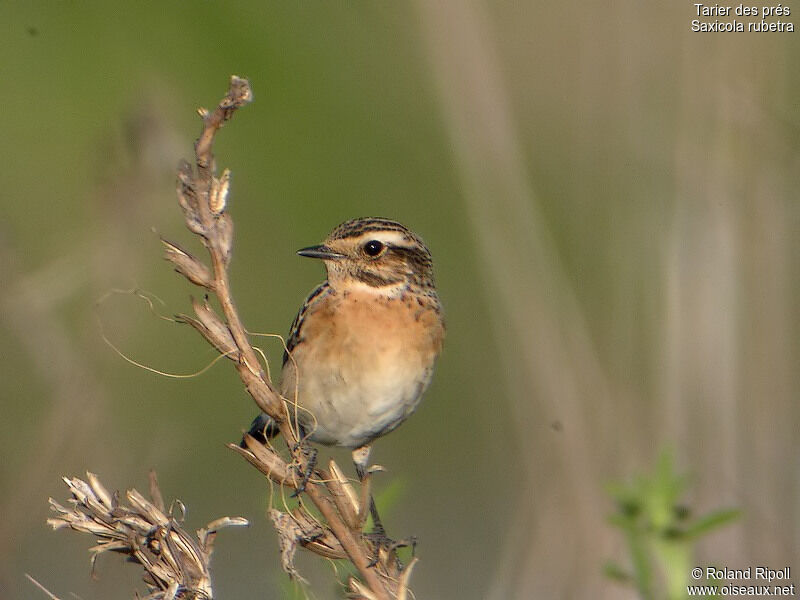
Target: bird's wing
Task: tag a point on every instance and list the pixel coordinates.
(295, 332)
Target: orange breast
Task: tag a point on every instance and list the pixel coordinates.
(363, 363)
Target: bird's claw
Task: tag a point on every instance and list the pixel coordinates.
(386, 546)
(308, 471)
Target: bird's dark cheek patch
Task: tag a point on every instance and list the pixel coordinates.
(373, 279)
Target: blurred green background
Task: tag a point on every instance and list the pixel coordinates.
(611, 203)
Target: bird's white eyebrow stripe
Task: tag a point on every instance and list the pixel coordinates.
(390, 238)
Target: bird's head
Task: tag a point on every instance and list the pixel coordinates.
(374, 252)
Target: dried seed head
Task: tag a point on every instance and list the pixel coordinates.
(219, 192)
(216, 331)
(340, 483)
(172, 559)
(289, 536)
(359, 591)
(266, 461)
(187, 265)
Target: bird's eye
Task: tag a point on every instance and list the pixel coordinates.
(373, 248)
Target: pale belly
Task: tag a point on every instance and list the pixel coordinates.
(352, 408)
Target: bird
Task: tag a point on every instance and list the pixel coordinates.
(361, 350)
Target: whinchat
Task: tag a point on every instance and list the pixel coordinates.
(362, 348)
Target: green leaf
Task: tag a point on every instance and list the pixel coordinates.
(710, 522)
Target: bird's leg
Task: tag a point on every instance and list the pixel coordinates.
(311, 463)
(361, 461)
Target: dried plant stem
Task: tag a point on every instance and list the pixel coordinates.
(175, 563)
(41, 587)
(202, 196)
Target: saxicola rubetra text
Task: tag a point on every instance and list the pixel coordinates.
(361, 350)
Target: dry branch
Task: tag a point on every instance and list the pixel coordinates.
(339, 534)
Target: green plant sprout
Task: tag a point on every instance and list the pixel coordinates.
(659, 531)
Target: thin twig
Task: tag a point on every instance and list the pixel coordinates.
(41, 587)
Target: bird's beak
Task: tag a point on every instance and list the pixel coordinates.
(322, 251)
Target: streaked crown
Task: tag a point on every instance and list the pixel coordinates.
(377, 252)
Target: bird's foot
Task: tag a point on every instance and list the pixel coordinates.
(310, 455)
(409, 542)
(387, 547)
(381, 543)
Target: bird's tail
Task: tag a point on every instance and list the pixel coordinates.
(262, 428)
